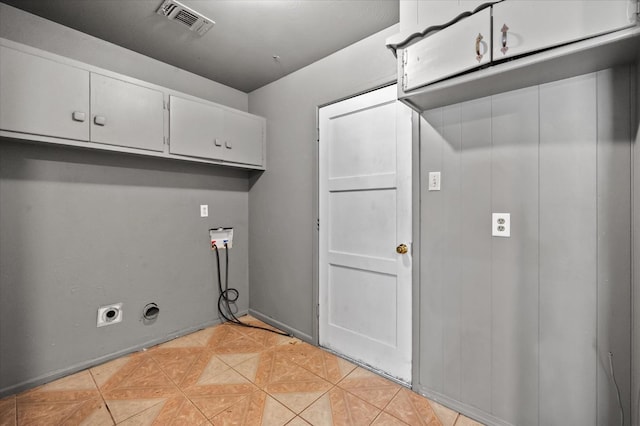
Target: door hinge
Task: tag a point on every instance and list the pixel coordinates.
(637, 7)
(317, 224)
(318, 310)
(405, 58)
(318, 135)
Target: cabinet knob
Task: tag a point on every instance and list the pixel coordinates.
(505, 31)
(100, 120)
(228, 145)
(216, 142)
(478, 44)
(78, 116)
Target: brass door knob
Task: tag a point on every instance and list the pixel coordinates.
(402, 249)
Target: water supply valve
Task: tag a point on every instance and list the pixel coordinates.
(220, 236)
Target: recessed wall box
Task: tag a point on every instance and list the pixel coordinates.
(220, 236)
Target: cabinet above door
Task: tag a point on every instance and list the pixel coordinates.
(43, 97)
(455, 49)
(525, 26)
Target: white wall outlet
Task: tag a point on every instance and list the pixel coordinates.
(501, 224)
(434, 181)
(109, 314)
(204, 210)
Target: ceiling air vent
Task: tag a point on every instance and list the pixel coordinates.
(178, 12)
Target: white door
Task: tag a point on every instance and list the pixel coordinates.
(365, 214)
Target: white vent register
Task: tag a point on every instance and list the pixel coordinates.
(180, 13)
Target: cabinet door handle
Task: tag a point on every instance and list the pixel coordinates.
(504, 31)
(228, 144)
(216, 142)
(478, 42)
(100, 120)
(78, 116)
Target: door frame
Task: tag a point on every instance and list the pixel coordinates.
(415, 231)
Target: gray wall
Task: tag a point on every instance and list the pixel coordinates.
(635, 389)
(80, 229)
(32, 30)
(283, 199)
(518, 330)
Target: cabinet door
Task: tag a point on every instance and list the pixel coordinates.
(529, 25)
(455, 49)
(126, 114)
(40, 96)
(243, 138)
(195, 129)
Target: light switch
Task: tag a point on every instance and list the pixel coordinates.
(501, 225)
(434, 181)
(204, 210)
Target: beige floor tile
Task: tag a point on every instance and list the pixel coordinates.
(8, 411)
(413, 409)
(234, 359)
(73, 412)
(220, 393)
(322, 363)
(204, 371)
(177, 362)
(446, 415)
(173, 411)
(339, 407)
(466, 421)
(133, 384)
(71, 400)
(298, 421)
(226, 375)
(256, 409)
(372, 388)
(385, 419)
(287, 382)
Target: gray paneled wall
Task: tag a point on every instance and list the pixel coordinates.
(80, 229)
(519, 329)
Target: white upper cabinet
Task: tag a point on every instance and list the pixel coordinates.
(49, 98)
(43, 97)
(205, 130)
(243, 137)
(126, 114)
(526, 26)
(195, 129)
(453, 50)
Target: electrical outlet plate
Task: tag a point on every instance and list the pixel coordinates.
(220, 236)
(501, 225)
(109, 314)
(434, 181)
(204, 210)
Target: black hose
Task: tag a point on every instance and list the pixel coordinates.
(230, 295)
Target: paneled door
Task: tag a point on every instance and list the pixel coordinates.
(365, 231)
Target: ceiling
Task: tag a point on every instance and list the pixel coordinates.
(253, 43)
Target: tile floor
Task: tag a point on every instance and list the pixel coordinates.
(226, 375)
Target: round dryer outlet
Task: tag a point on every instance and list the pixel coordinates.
(109, 314)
